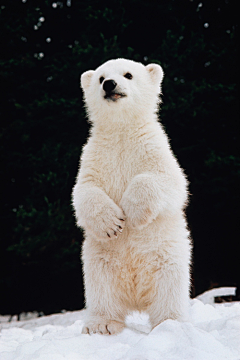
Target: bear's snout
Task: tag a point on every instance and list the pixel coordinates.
(109, 85)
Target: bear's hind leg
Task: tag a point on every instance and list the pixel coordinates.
(104, 292)
(171, 300)
(106, 316)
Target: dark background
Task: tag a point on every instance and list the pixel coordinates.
(45, 46)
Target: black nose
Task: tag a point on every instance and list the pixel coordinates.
(109, 85)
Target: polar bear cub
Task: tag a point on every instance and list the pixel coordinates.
(129, 198)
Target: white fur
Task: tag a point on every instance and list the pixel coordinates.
(138, 321)
(129, 177)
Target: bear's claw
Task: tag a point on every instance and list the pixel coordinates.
(110, 327)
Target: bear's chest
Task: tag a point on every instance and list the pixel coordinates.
(112, 162)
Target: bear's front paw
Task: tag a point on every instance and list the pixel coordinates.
(107, 223)
(140, 218)
(138, 215)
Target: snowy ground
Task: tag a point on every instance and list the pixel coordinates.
(213, 333)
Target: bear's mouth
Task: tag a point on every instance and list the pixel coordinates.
(114, 96)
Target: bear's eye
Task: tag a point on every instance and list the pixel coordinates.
(101, 79)
(128, 76)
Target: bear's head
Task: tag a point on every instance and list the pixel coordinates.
(122, 88)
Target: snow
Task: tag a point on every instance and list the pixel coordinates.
(213, 332)
(208, 296)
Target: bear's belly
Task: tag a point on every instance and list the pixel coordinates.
(131, 275)
(136, 278)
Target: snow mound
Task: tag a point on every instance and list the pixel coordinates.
(213, 332)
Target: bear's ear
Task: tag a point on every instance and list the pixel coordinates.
(86, 79)
(155, 72)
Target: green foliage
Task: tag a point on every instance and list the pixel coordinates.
(44, 128)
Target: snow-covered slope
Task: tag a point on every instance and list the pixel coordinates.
(213, 333)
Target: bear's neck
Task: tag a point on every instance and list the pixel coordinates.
(122, 122)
